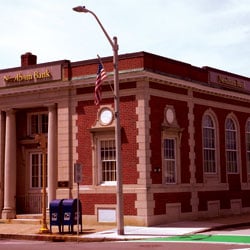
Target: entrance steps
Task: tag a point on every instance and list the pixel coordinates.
(33, 219)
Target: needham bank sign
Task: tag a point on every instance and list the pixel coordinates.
(30, 76)
(240, 83)
(19, 77)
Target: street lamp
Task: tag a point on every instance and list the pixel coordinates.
(119, 193)
(40, 138)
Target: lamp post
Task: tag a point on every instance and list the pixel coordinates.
(40, 138)
(119, 193)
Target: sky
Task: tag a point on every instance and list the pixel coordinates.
(213, 33)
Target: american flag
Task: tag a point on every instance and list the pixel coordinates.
(101, 75)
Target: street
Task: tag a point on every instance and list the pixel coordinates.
(228, 239)
(35, 245)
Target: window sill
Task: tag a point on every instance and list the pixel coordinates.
(108, 183)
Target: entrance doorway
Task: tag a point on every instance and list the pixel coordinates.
(30, 201)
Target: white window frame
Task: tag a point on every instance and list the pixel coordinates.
(39, 171)
(209, 146)
(101, 161)
(170, 157)
(231, 147)
(39, 123)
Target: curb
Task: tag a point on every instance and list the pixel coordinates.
(59, 238)
(82, 238)
(225, 226)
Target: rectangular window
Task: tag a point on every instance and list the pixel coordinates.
(231, 161)
(36, 165)
(108, 160)
(169, 152)
(37, 123)
(44, 123)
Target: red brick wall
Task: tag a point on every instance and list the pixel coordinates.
(224, 197)
(234, 180)
(157, 106)
(87, 114)
(129, 145)
(245, 194)
(243, 117)
(172, 67)
(221, 115)
(89, 67)
(198, 114)
(90, 200)
(156, 117)
(129, 204)
(161, 199)
(140, 60)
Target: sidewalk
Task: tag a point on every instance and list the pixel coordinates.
(29, 230)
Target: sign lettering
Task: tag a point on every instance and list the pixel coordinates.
(239, 83)
(36, 75)
(230, 81)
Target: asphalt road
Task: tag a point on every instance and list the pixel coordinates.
(35, 245)
(239, 237)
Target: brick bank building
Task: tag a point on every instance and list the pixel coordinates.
(185, 139)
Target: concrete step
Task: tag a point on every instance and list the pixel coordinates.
(33, 219)
(29, 216)
(26, 221)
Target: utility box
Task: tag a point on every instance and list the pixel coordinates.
(70, 215)
(55, 212)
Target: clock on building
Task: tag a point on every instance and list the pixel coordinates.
(106, 116)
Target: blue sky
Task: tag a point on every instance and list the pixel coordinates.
(200, 32)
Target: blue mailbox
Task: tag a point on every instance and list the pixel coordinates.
(70, 214)
(55, 211)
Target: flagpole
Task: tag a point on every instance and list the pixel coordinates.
(99, 58)
(119, 190)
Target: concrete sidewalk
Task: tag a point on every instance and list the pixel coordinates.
(29, 230)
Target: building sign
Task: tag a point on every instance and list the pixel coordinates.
(230, 82)
(36, 75)
(31, 76)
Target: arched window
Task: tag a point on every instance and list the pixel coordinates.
(248, 145)
(231, 146)
(209, 145)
